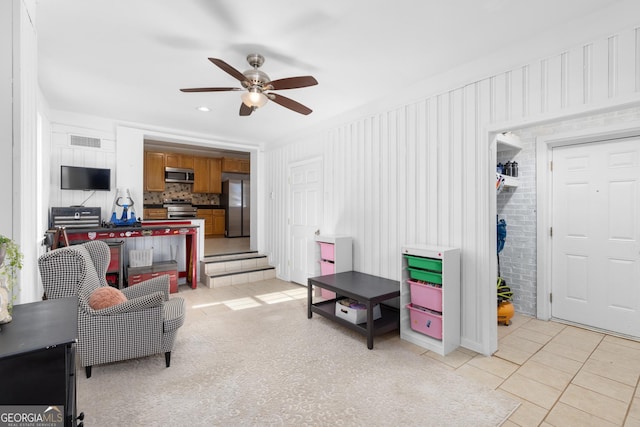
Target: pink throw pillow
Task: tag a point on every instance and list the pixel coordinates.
(106, 296)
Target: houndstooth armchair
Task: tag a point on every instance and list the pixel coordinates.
(147, 323)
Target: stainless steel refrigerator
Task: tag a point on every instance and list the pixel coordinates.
(235, 200)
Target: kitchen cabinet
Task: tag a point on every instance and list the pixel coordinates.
(230, 164)
(186, 161)
(208, 178)
(207, 215)
(176, 160)
(172, 160)
(218, 221)
(201, 175)
(215, 176)
(213, 221)
(155, 213)
(430, 297)
(153, 171)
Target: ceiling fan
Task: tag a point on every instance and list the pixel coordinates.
(258, 86)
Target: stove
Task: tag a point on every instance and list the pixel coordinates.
(179, 208)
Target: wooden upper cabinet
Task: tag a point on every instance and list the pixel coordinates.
(172, 160)
(245, 166)
(153, 171)
(207, 170)
(208, 177)
(175, 160)
(201, 181)
(230, 164)
(215, 176)
(187, 162)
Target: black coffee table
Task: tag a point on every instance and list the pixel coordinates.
(365, 288)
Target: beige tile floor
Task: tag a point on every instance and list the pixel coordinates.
(562, 375)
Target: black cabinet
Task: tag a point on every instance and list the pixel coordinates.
(37, 360)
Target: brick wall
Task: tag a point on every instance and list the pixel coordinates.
(517, 206)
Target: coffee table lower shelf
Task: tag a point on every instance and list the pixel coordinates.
(389, 320)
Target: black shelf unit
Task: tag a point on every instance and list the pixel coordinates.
(389, 321)
(367, 289)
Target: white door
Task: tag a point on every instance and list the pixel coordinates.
(596, 235)
(305, 218)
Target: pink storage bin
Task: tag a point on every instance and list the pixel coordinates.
(425, 322)
(426, 296)
(327, 251)
(327, 267)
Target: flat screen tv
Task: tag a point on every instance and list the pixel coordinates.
(81, 178)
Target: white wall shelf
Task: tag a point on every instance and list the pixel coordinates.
(510, 181)
(508, 141)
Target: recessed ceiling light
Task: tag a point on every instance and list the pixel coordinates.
(203, 108)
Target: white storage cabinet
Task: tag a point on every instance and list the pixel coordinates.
(335, 257)
(430, 328)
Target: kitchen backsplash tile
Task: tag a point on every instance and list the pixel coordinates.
(180, 191)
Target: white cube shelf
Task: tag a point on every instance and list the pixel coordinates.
(450, 315)
(337, 252)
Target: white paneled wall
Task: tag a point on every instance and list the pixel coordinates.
(423, 172)
(64, 153)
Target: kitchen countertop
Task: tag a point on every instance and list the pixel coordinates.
(208, 206)
(152, 206)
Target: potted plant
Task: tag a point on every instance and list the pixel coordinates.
(10, 263)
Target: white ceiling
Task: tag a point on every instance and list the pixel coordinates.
(127, 59)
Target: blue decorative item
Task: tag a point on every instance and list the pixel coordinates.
(502, 234)
(122, 213)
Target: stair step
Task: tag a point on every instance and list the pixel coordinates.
(215, 266)
(231, 255)
(235, 277)
(235, 268)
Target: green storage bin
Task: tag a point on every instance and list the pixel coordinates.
(424, 263)
(427, 276)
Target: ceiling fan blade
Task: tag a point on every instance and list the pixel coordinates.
(210, 89)
(245, 110)
(229, 69)
(293, 82)
(289, 103)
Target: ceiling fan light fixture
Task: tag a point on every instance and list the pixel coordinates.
(254, 98)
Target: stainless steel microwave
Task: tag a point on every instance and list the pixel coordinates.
(184, 176)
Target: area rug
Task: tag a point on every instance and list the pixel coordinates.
(271, 366)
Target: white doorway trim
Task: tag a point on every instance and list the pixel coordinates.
(544, 147)
(488, 273)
